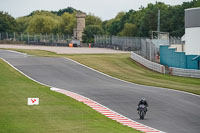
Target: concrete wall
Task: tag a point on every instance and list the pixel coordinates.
(178, 47)
(171, 58)
(185, 72)
(149, 64)
(190, 63)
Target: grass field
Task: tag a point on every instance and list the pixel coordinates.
(56, 113)
(123, 67)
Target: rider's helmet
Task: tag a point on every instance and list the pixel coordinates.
(143, 99)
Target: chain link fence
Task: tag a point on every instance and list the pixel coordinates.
(39, 39)
(145, 47)
(142, 46)
(175, 40)
(119, 43)
(149, 50)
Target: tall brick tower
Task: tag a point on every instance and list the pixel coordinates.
(78, 32)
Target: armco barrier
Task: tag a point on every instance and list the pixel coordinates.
(185, 72)
(151, 65)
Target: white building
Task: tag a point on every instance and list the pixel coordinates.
(192, 31)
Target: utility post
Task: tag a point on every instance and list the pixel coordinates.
(150, 52)
(28, 37)
(21, 36)
(6, 35)
(46, 38)
(41, 37)
(58, 38)
(52, 38)
(95, 39)
(158, 28)
(14, 36)
(34, 37)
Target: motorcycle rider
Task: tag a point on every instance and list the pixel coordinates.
(143, 101)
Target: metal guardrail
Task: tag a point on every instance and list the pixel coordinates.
(184, 72)
(151, 65)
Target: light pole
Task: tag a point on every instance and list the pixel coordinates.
(21, 36)
(6, 35)
(158, 28)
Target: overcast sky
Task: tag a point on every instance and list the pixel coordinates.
(105, 9)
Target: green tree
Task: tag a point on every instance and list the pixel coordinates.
(69, 10)
(148, 21)
(106, 24)
(120, 15)
(66, 10)
(129, 30)
(93, 20)
(42, 24)
(23, 23)
(145, 19)
(90, 31)
(68, 23)
(7, 23)
(115, 27)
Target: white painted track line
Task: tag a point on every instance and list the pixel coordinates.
(17, 52)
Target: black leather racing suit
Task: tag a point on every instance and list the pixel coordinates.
(142, 102)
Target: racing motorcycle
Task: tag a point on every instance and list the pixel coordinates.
(142, 111)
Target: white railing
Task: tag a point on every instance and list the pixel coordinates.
(185, 72)
(151, 65)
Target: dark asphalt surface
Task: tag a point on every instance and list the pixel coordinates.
(169, 111)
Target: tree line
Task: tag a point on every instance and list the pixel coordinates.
(132, 23)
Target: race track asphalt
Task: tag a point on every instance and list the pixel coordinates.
(170, 111)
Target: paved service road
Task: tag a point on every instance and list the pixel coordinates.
(170, 111)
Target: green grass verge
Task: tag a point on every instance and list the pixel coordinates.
(123, 67)
(56, 112)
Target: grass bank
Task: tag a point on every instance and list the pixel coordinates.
(123, 67)
(56, 113)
